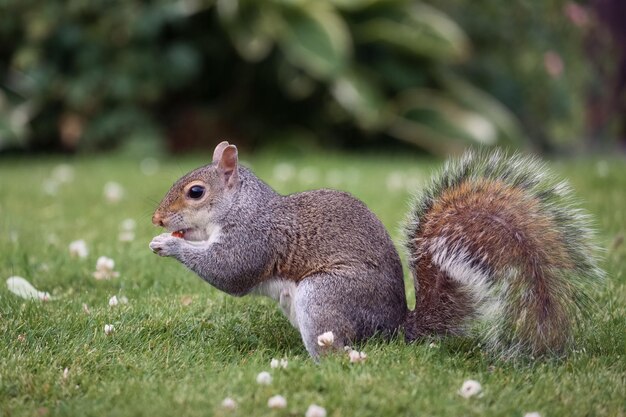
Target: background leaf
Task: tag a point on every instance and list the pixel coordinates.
(432, 120)
(482, 103)
(359, 95)
(315, 38)
(417, 29)
(250, 28)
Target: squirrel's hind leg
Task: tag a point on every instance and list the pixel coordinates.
(287, 304)
(319, 311)
(352, 306)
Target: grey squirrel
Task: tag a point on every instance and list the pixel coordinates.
(494, 245)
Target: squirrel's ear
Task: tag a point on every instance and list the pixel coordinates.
(219, 149)
(227, 165)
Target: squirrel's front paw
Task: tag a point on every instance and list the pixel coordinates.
(166, 245)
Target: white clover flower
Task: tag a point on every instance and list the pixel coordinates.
(50, 187)
(275, 363)
(78, 248)
(470, 388)
(105, 268)
(19, 286)
(108, 329)
(113, 301)
(149, 166)
(264, 378)
(283, 172)
(395, 181)
(277, 401)
(113, 192)
(128, 224)
(127, 230)
(66, 373)
(356, 356)
(229, 404)
(105, 264)
(63, 173)
(315, 411)
(532, 414)
(126, 236)
(326, 339)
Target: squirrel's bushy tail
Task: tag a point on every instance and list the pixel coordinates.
(497, 246)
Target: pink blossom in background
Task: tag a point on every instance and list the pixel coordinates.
(577, 14)
(553, 64)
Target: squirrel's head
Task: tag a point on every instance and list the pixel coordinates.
(191, 205)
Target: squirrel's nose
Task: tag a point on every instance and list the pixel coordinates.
(157, 220)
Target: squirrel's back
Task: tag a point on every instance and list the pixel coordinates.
(496, 245)
(328, 231)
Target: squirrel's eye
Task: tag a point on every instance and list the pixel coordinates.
(196, 192)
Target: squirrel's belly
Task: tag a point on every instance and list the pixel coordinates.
(273, 288)
(284, 292)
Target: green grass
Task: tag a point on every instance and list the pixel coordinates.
(166, 358)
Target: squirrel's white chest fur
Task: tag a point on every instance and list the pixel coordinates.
(284, 292)
(210, 235)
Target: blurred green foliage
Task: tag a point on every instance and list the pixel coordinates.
(93, 74)
(531, 55)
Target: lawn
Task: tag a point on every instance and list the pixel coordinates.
(180, 347)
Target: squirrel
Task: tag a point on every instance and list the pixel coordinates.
(495, 245)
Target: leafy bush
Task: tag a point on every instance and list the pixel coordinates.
(533, 56)
(89, 74)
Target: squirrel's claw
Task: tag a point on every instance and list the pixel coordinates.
(165, 244)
